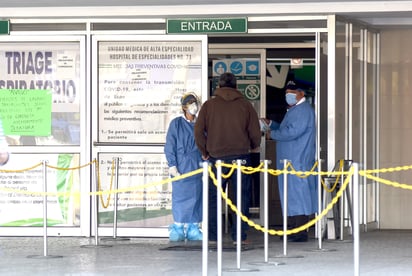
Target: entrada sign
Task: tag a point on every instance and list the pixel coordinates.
(4, 27)
(207, 25)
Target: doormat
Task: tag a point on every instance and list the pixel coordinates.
(198, 247)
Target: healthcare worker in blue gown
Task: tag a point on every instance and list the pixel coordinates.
(295, 140)
(183, 157)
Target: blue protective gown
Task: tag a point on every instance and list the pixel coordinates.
(181, 151)
(296, 141)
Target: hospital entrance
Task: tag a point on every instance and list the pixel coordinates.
(262, 69)
(335, 60)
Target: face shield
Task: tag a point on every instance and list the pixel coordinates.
(193, 108)
(190, 103)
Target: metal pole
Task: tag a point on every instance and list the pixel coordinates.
(115, 202)
(44, 163)
(365, 47)
(285, 207)
(239, 208)
(378, 117)
(95, 203)
(226, 212)
(219, 217)
(239, 163)
(205, 226)
(317, 105)
(342, 200)
(265, 210)
(319, 222)
(355, 178)
(116, 187)
(45, 253)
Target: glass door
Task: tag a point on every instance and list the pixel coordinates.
(249, 66)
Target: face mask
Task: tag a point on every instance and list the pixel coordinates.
(291, 98)
(192, 108)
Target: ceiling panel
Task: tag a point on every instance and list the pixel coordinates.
(380, 14)
(72, 3)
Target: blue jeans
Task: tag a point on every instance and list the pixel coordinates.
(246, 195)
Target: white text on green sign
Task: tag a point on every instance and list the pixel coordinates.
(202, 25)
(4, 27)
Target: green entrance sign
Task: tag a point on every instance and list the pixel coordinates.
(4, 27)
(207, 25)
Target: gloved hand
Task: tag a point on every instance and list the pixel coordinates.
(4, 157)
(264, 126)
(173, 172)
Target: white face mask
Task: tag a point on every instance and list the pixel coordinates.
(192, 108)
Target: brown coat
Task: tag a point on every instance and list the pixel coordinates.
(227, 125)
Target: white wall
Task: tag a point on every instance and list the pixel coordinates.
(396, 126)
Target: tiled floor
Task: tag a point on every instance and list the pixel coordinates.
(381, 253)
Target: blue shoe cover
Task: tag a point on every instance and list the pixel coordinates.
(194, 233)
(176, 233)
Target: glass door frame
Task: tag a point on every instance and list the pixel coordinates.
(231, 50)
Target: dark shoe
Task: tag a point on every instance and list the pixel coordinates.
(212, 243)
(290, 237)
(300, 237)
(244, 242)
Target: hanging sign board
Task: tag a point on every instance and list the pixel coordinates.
(247, 71)
(26, 112)
(4, 27)
(207, 25)
(141, 83)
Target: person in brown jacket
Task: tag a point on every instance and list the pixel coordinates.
(227, 129)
